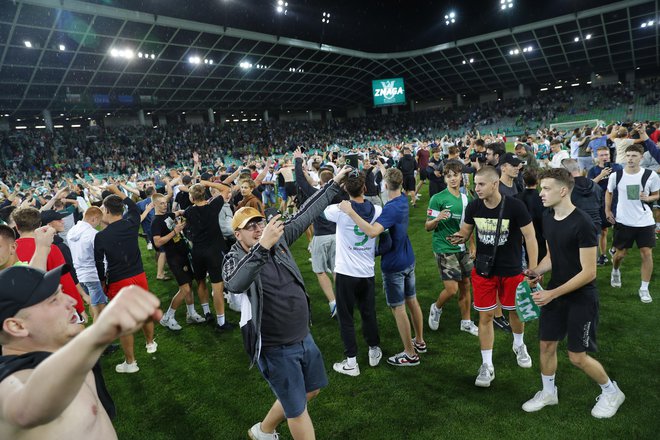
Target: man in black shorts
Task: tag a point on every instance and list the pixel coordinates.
(569, 306)
(166, 234)
(208, 247)
(407, 165)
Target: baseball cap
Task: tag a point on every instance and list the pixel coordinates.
(24, 286)
(511, 159)
(243, 216)
(50, 215)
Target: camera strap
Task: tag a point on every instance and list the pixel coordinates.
(499, 226)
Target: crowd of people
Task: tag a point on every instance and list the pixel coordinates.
(71, 239)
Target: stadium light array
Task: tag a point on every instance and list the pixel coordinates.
(146, 56)
(126, 54)
(282, 7)
(62, 47)
(326, 18)
(294, 69)
(194, 60)
(245, 65)
(506, 4)
(471, 60)
(28, 44)
(450, 18)
(648, 23)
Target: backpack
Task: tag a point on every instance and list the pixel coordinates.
(645, 178)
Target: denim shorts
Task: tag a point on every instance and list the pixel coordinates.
(399, 286)
(292, 371)
(95, 291)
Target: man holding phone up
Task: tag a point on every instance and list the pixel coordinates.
(600, 174)
(498, 276)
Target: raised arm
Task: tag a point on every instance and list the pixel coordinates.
(371, 230)
(53, 385)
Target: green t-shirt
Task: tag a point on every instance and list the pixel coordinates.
(456, 205)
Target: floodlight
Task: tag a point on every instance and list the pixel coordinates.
(471, 60)
(114, 53)
(587, 37)
(153, 56)
(450, 18)
(62, 47)
(576, 39)
(28, 44)
(506, 4)
(643, 25)
(139, 54)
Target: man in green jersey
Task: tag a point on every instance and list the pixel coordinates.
(444, 217)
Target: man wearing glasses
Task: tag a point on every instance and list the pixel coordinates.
(275, 310)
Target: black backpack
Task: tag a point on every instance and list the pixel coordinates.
(645, 178)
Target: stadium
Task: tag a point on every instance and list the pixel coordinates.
(145, 101)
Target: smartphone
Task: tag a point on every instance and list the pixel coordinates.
(352, 160)
(608, 164)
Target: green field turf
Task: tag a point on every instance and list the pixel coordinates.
(198, 385)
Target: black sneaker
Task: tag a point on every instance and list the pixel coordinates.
(210, 319)
(602, 260)
(110, 349)
(501, 323)
(227, 326)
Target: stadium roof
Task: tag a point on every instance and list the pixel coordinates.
(69, 55)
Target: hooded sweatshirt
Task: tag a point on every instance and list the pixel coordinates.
(355, 251)
(81, 244)
(588, 196)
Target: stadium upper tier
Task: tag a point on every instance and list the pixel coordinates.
(28, 153)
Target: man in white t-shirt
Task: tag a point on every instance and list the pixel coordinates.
(355, 282)
(636, 189)
(557, 154)
(619, 136)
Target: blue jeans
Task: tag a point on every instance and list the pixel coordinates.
(95, 291)
(399, 286)
(292, 371)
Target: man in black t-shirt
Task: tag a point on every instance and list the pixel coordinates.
(208, 247)
(166, 233)
(569, 306)
(506, 269)
(182, 197)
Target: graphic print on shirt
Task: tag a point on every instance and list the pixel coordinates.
(486, 228)
(360, 235)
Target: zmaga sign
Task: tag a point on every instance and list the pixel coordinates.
(388, 91)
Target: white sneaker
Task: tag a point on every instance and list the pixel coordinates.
(170, 323)
(150, 246)
(152, 348)
(645, 296)
(615, 279)
(375, 355)
(523, 358)
(485, 376)
(434, 317)
(194, 318)
(343, 368)
(470, 327)
(255, 433)
(608, 404)
(125, 367)
(540, 401)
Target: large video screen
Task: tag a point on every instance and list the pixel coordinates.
(388, 91)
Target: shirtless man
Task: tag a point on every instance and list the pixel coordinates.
(50, 385)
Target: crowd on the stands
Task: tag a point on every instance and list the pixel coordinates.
(229, 212)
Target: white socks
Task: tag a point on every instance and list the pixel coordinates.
(487, 357)
(170, 313)
(221, 320)
(351, 362)
(191, 309)
(548, 384)
(608, 388)
(645, 285)
(518, 339)
(205, 308)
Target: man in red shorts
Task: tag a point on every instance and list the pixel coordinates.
(118, 245)
(500, 278)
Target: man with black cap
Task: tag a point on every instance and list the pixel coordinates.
(509, 172)
(51, 384)
(275, 310)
